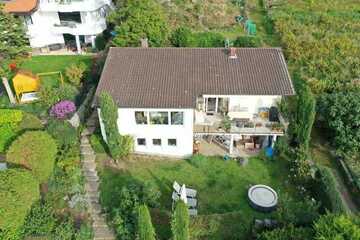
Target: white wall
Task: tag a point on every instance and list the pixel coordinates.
(182, 133)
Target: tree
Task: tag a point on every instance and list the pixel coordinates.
(13, 40)
(18, 191)
(180, 222)
(75, 73)
(146, 230)
(137, 19)
(333, 226)
(35, 151)
(118, 145)
(341, 113)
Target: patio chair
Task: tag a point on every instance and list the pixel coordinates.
(191, 202)
(189, 191)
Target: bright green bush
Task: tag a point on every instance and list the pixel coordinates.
(40, 221)
(146, 230)
(342, 227)
(7, 134)
(85, 233)
(10, 116)
(75, 73)
(64, 231)
(180, 222)
(63, 133)
(30, 122)
(35, 151)
(18, 191)
(97, 143)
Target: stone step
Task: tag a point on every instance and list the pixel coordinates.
(86, 132)
(91, 187)
(99, 223)
(87, 151)
(84, 140)
(88, 158)
(89, 173)
(91, 178)
(92, 195)
(84, 145)
(92, 199)
(95, 208)
(103, 233)
(89, 165)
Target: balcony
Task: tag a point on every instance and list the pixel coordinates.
(224, 125)
(72, 5)
(74, 28)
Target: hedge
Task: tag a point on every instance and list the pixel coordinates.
(18, 191)
(10, 116)
(35, 151)
(329, 191)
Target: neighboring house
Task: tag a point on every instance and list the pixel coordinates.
(51, 24)
(174, 100)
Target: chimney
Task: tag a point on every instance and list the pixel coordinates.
(232, 53)
(144, 43)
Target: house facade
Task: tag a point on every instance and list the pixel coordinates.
(53, 24)
(177, 101)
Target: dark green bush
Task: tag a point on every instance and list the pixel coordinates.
(180, 222)
(85, 233)
(247, 41)
(18, 191)
(40, 221)
(209, 39)
(333, 226)
(287, 233)
(30, 122)
(184, 37)
(64, 231)
(100, 42)
(63, 133)
(35, 151)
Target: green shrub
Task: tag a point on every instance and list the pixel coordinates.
(40, 221)
(332, 226)
(75, 73)
(184, 37)
(287, 233)
(97, 143)
(18, 191)
(30, 122)
(209, 39)
(7, 134)
(64, 231)
(10, 116)
(50, 95)
(146, 230)
(63, 133)
(36, 151)
(180, 222)
(100, 42)
(247, 41)
(85, 233)
(329, 189)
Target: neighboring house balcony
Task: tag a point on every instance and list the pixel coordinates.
(75, 28)
(72, 5)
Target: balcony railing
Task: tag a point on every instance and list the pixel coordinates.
(70, 24)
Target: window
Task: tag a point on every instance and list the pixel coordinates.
(177, 118)
(28, 20)
(156, 142)
(159, 118)
(141, 117)
(141, 142)
(70, 17)
(172, 142)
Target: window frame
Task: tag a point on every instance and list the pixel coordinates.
(172, 145)
(141, 145)
(177, 112)
(146, 117)
(156, 145)
(161, 112)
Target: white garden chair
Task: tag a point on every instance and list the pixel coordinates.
(189, 191)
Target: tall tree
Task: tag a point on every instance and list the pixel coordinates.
(13, 40)
(146, 230)
(137, 19)
(180, 222)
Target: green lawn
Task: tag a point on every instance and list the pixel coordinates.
(222, 187)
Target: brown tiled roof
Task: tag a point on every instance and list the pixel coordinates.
(20, 6)
(174, 77)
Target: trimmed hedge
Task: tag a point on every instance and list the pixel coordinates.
(10, 116)
(35, 151)
(329, 191)
(18, 191)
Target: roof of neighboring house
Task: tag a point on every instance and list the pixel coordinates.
(175, 77)
(20, 6)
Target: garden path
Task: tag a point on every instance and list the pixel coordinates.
(101, 230)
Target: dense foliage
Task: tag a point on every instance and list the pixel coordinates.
(13, 41)
(118, 145)
(146, 230)
(50, 95)
(180, 222)
(18, 191)
(75, 73)
(137, 19)
(341, 113)
(185, 37)
(63, 133)
(288, 232)
(247, 41)
(35, 151)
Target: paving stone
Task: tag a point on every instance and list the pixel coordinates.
(91, 165)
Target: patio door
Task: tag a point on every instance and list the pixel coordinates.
(211, 105)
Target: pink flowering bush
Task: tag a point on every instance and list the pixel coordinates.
(63, 109)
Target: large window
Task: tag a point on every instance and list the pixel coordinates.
(159, 118)
(141, 117)
(156, 142)
(172, 142)
(177, 118)
(70, 17)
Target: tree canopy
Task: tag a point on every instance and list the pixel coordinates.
(137, 19)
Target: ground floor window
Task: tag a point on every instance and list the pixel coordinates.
(141, 142)
(156, 142)
(172, 142)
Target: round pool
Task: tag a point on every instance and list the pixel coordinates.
(262, 198)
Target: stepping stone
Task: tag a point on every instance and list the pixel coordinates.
(89, 165)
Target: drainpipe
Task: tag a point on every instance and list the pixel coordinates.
(8, 90)
(78, 45)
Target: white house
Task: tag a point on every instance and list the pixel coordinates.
(173, 101)
(52, 24)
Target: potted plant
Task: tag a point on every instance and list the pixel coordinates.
(277, 127)
(226, 124)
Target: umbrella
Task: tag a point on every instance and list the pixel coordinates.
(183, 193)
